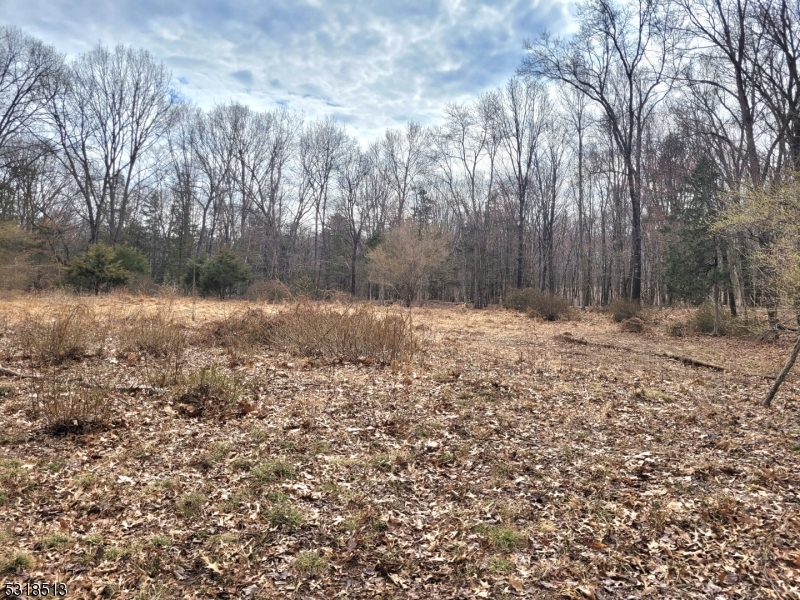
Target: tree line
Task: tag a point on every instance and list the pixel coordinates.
(607, 167)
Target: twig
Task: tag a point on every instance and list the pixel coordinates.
(119, 388)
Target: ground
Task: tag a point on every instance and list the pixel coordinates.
(508, 457)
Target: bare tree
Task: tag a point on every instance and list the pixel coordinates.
(407, 258)
(405, 153)
(522, 114)
(113, 107)
(29, 73)
(619, 59)
(321, 146)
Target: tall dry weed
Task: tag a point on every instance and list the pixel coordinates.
(158, 334)
(69, 405)
(351, 334)
(71, 333)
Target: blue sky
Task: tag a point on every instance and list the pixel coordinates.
(371, 64)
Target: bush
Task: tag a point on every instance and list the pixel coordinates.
(272, 291)
(220, 274)
(157, 335)
(622, 310)
(70, 406)
(633, 325)
(97, 269)
(538, 304)
(703, 320)
(209, 392)
(352, 334)
(251, 327)
(70, 334)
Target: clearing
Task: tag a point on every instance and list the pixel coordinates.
(508, 458)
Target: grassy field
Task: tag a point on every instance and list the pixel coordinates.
(153, 449)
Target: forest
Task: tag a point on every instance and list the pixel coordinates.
(650, 156)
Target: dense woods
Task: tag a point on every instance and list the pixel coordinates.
(625, 161)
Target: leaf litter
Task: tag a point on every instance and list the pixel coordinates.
(499, 462)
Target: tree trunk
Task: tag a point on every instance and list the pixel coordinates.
(782, 375)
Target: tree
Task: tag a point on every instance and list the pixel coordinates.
(112, 109)
(692, 257)
(777, 211)
(619, 60)
(407, 258)
(97, 269)
(29, 71)
(218, 274)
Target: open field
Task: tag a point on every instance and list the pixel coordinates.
(506, 458)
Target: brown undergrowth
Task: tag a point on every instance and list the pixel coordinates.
(501, 459)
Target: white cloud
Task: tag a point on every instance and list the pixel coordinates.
(373, 64)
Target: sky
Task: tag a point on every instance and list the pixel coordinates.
(371, 64)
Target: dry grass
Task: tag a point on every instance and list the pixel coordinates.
(157, 334)
(70, 333)
(351, 334)
(561, 459)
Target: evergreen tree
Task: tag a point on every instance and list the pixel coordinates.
(97, 269)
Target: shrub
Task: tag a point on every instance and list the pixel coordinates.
(622, 310)
(69, 406)
(70, 334)
(157, 335)
(272, 291)
(219, 274)
(251, 327)
(355, 333)
(538, 304)
(676, 329)
(209, 392)
(96, 269)
(703, 320)
(633, 325)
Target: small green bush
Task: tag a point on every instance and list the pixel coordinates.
(220, 274)
(98, 269)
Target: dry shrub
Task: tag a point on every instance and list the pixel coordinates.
(538, 304)
(158, 335)
(676, 329)
(622, 310)
(69, 406)
(633, 325)
(359, 332)
(209, 392)
(272, 291)
(69, 334)
(703, 320)
(251, 327)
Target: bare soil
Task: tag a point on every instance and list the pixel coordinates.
(508, 458)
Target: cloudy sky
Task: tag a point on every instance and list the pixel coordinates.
(372, 64)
